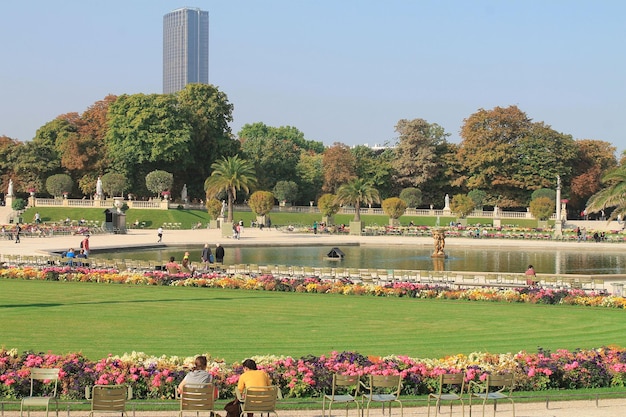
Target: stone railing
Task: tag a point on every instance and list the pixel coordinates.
(108, 203)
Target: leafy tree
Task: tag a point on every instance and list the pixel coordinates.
(411, 196)
(286, 191)
(158, 181)
(327, 204)
(417, 158)
(18, 204)
(377, 167)
(461, 205)
(543, 192)
(208, 113)
(82, 149)
(594, 159)
(355, 193)
(231, 175)
(310, 175)
(8, 155)
(289, 133)
(339, 167)
(478, 197)
(114, 184)
(274, 159)
(214, 207)
(148, 132)
(487, 151)
(542, 208)
(394, 207)
(508, 155)
(261, 202)
(59, 184)
(612, 195)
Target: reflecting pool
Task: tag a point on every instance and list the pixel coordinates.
(404, 257)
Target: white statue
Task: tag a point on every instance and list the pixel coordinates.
(447, 201)
(99, 188)
(183, 194)
(223, 208)
(10, 190)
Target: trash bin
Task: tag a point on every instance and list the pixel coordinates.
(618, 289)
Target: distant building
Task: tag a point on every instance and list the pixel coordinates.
(185, 49)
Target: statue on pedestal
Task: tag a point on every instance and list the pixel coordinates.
(446, 199)
(99, 189)
(440, 243)
(10, 190)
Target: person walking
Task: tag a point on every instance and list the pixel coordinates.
(160, 234)
(85, 245)
(18, 229)
(207, 256)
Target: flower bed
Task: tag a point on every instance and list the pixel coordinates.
(157, 377)
(533, 295)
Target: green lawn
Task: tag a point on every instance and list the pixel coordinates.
(98, 319)
(188, 218)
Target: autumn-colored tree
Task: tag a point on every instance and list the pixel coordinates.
(261, 202)
(339, 167)
(214, 208)
(393, 207)
(461, 205)
(327, 204)
(542, 208)
(594, 159)
(8, 155)
(417, 158)
(504, 153)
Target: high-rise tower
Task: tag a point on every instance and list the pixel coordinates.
(185, 48)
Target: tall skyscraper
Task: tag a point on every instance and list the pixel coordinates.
(185, 49)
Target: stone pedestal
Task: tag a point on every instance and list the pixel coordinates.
(356, 228)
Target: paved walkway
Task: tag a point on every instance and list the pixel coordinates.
(256, 237)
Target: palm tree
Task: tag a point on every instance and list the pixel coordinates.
(612, 196)
(357, 192)
(230, 174)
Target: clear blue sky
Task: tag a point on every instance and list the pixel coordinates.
(338, 70)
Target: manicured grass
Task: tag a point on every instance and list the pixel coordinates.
(99, 319)
(189, 218)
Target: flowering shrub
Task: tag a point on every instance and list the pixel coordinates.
(157, 377)
(268, 282)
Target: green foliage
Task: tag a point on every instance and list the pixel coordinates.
(542, 208)
(543, 192)
(612, 195)
(18, 204)
(286, 191)
(478, 197)
(214, 208)
(261, 202)
(114, 183)
(158, 181)
(230, 175)
(461, 205)
(355, 193)
(310, 175)
(327, 204)
(411, 196)
(176, 311)
(417, 160)
(394, 207)
(59, 184)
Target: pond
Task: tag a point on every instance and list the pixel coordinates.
(403, 257)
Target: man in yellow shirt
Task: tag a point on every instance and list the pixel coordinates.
(252, 377)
